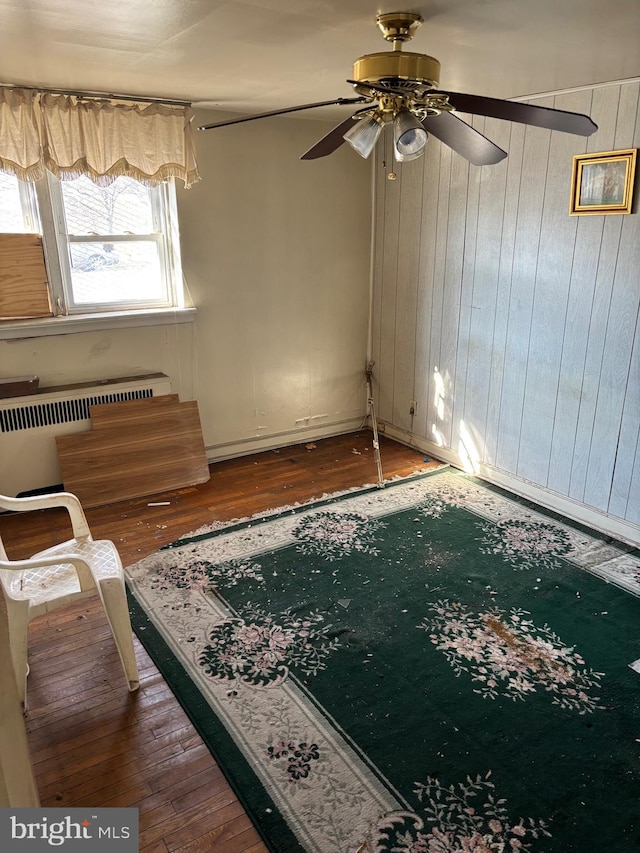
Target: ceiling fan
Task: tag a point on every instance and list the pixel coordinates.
(400, 89)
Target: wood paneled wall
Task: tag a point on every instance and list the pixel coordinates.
(512, 325)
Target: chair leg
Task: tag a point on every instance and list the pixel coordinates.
(17, 784)
(114, 600)
(18, 623)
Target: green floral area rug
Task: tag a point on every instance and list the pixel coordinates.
(429, 667)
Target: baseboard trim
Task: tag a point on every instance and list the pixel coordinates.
(618, 528)
(285, 438)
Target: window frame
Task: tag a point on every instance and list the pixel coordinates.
(28, 205)
(43, 213)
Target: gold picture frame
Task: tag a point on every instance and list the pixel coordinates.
(603, 182)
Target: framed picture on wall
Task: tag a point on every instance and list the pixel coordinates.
(603, 182)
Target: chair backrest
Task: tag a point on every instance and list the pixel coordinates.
(5, 574)
(5, 578)
(3, 506)
(8, 577)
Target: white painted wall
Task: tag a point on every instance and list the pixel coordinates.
(276, 258)
(513, 325)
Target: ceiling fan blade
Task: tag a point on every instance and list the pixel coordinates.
(547, 117)
(338, 101)
(332, 140)
(464, 139)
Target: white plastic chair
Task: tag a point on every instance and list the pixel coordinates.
(54, 577)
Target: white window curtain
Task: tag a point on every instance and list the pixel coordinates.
(20, 145)
(100, 138)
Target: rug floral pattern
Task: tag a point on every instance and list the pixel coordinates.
(335, 535)
(202, 574)
(525, 544)
(506, 654)
(260, 648)
(283, 624)
(463, 818)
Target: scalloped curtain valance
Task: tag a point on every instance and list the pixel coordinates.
(70, 136)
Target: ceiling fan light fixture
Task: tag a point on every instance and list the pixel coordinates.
(364, 134)
(409, 136)
(399, 87)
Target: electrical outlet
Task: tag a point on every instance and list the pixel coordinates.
(412, 407)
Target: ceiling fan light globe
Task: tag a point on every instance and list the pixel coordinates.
(362, 137)
(402, 155)
(409, 136)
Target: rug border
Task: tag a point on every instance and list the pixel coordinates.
(275, 513)
(211, 730)
(625, 547)
(292, 509)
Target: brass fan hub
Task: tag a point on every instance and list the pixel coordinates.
(415, 72)
(391, 66)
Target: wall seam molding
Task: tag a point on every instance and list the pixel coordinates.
(586, 88)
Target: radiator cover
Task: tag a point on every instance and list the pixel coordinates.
(30, 424)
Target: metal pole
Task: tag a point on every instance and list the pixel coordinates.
(374, 424)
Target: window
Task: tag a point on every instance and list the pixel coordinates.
(18, 207)
(111, 248)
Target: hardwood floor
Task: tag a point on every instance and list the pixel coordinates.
(95, 744)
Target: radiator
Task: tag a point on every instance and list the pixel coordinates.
(29, 426)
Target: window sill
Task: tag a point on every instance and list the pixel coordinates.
(16, 329)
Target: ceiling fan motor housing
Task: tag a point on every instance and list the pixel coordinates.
(393, 67)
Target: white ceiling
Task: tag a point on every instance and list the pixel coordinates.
(248, 56)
